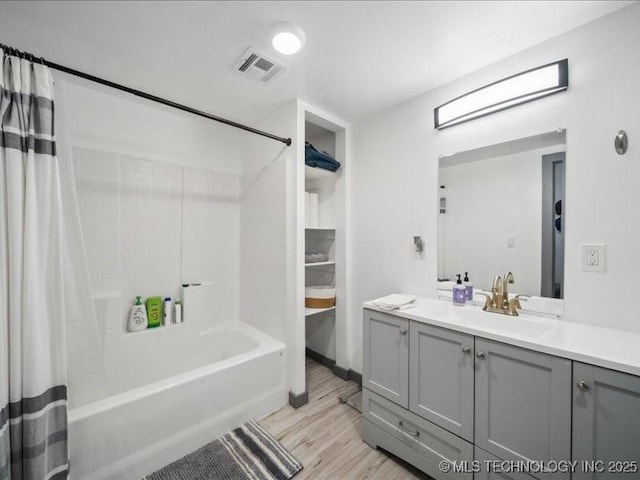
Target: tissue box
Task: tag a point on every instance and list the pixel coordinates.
(320, 296)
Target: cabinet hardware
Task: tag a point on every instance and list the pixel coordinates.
(582, 385)
(403, 331)
(410, 432)
(466, 349)
(480, 355)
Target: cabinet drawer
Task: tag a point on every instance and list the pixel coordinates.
(429, 440)
(487, 473)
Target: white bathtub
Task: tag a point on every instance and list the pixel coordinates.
(237, 373)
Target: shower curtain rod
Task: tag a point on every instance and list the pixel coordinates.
(28, 56)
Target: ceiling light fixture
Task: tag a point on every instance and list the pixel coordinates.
(287, 38)
(506, 93)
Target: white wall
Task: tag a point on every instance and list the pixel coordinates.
(489, 201)
(395, 172)
(108, 120)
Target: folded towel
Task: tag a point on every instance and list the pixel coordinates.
(395, 301)
(315, 257)
(446, 285)
(314, 158)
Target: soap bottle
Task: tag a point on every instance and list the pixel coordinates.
(468, 286)
(459, 292)
(167, 312)
(137, 317)
(177, 307)
(154, 311)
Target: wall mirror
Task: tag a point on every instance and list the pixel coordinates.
(502, 209)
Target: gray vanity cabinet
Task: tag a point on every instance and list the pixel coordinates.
(606, 423)
(386, 356)
(491, 468)
(441, 377)
(522, 404)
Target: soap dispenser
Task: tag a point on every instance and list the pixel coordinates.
(468, 286)
(459, 292)
(137, 317)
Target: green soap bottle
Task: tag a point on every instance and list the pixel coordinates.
(154, 311)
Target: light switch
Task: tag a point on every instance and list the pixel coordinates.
(511, 242)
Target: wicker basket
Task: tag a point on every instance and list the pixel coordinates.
(320, 296)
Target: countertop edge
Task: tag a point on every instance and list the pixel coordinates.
(542, 345)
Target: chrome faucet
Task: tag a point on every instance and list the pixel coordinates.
(498, 301)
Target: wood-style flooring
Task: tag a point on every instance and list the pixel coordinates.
(324, 435)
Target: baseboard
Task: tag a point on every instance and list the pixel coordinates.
(297, 401)
(318, 357)
(355, 376)
(338, 371)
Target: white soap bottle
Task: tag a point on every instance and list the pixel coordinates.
(137, 317)
(167, 312)
(177, 311)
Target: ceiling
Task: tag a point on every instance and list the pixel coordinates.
(360, 56)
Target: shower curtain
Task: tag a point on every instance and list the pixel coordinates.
(33, 371)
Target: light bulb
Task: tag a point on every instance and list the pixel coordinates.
(287, 38)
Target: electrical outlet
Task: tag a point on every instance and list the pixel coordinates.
(594, 257)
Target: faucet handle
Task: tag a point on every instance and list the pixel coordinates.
(488, 303)
(514, 304)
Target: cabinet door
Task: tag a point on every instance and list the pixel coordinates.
(606, 423)
(523, 404)
(386, 356)
(490, 467)
(441, 377)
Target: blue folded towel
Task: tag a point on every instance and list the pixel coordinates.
(314, 158)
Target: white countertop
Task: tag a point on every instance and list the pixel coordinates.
(604, 347)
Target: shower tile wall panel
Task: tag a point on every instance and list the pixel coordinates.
(148, 227)
(211, 237)
(150, 209)
(99, 198)
(265, 249)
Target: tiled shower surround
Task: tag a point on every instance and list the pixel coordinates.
(151, 226)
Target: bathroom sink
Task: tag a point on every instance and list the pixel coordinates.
(522, 326)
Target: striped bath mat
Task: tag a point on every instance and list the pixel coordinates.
(248, 452)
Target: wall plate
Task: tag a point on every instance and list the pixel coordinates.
(594, 257)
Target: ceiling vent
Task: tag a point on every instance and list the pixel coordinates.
(257, 65)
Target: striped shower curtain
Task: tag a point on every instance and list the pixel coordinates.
(33, 392)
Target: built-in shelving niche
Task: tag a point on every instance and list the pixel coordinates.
(323, 324)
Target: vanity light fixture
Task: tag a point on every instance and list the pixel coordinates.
(508, 92)
(287, 38)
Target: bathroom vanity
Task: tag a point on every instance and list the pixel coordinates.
(456, 384)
